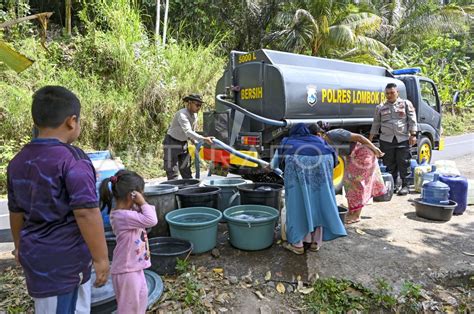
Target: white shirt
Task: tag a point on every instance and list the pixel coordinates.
(183, 125)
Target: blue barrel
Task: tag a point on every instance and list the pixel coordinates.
(458, 188)
(105, 166)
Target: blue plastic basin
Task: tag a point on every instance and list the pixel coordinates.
(251, 227)
(197, 225)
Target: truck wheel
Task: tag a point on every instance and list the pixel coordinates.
(338, 175)
(424, 149)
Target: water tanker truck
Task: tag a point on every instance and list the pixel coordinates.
(263, 93)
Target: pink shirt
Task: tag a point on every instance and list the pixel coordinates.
(132, 251)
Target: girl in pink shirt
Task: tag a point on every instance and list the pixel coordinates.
(129, 218)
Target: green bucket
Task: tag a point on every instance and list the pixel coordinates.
(251, 227)
(197, 225)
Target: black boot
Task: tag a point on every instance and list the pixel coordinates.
(403, 191)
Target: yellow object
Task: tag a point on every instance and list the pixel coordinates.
(338, 173)
(425, 153)
(441, 144)
(192, 149)
(419, 172)
(234, 160)
(13, 59)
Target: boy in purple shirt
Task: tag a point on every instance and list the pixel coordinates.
(54, 216)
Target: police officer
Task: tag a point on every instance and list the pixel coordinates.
(396, 121)
(175, 145)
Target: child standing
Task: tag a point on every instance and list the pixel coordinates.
(129, 218)
(55, 220)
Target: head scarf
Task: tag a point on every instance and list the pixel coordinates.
(301, 142)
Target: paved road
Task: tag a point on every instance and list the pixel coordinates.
(456, 146)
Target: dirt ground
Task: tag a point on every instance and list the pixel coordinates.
(390, 242)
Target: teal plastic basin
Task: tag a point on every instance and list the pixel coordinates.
(197, 225)
(251, 227)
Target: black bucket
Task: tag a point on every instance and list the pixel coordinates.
(165, 251)
(183, 183)
(342, 213)
(268, 194)
(198, 197)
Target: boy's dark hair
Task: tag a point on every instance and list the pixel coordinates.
(52, 105)
(391, 85)
(123, 183)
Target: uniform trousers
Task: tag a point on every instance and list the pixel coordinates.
(397, 159)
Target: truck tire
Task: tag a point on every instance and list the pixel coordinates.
(425, 149)
(338, 175)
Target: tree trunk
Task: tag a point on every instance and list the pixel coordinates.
(165, 22)
(157, 26)
(68, 17)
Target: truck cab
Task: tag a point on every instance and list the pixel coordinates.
(422, 92)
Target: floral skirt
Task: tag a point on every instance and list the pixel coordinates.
(362, 178)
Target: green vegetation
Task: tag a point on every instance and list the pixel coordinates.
(130, 87)
(333, 295)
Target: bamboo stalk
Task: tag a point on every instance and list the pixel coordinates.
(157, 26)
(68, 17)
(165, 27)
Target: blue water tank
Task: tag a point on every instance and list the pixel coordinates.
(458, 187)
(435, 192)
(105, 166)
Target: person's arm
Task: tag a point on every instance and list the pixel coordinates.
(16, 224)
(185, 124)
(91, 226)
(363, 140)
(412, 125)
(80, 185)
(375, 129)
(16, 217)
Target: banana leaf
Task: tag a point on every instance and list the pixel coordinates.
(13, 59)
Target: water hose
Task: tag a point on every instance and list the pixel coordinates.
(231, 150)
(252, 115)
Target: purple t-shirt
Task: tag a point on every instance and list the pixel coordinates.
(47, 180)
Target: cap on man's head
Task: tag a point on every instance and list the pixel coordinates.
(193, 97)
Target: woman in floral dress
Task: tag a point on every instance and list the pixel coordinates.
(362, 176)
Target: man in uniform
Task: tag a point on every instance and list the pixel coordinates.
(175, 145)
(396, 121)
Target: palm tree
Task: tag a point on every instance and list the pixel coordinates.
(330, 29)
(404, 21)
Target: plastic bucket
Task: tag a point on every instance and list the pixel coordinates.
(205, 196)
(229, 195)
(197, 225)
(389, 185)
(165, 251)
(163, 198)
(342, 213)
(251, 227)
(267, 194)
(183, 183)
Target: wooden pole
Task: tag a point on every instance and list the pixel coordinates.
(68, 17)
(157, 26)
(165, 27)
